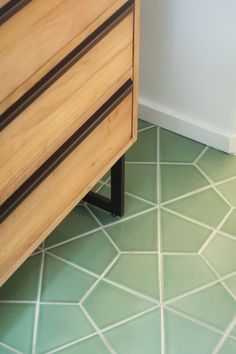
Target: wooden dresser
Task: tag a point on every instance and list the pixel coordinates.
(68, 105)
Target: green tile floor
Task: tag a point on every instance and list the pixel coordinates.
(161, 280)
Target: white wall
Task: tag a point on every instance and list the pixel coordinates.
(188, 68)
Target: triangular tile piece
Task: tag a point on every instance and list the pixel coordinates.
(139, 336)
(231, 284)
(145, 149)
(93, 252)
(176, 148)
(108, 304)
(184, 336)
(76, 223)
(213, 305)
(141, 180)
(228, 190)
(230, 224)
(60, 325)
(62, 282)
(183, 274)
(136, 234)
(221, 254)
(143, 124)
(229, 347)
(90, 346)
(218, 165)
(181, 235)
(207, 207)
(17, 325)
(142, 275)
(177, 180)
(23, 284)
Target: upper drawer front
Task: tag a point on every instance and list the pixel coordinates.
(35, 39)
(34, 135)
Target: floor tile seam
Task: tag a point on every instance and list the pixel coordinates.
(18, 302)
(147, 128)
(144, 163)
(202, 153)
(139, 253)
(12, 349)
(102, 183)
(225, 234)
(166, 163)
(223, 339)
(180, 254)
(223, 181)
(186, 195)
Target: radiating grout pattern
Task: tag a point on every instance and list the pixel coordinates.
(162, 279)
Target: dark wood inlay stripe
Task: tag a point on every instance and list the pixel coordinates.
(10, 8)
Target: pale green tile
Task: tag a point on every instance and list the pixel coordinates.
(108, 304)
(62, 282)
(218, 165)
(213, 305)
(93, 252)
(143, 124)
(4, 350)
(93, 345)
(221, 254)
(142, 274)
(176, 148)
(177, 180)
(23, 284)
(228, 190)
(230, 224)
(136, 234)
(231, 284)
(76, 223)
(60, 325)
(183, 274)
(181, 235)
(207, 207)
(229, 347)
(141, 180)
(145, 149)
(142, 335)
(16, 326)
(186, 337)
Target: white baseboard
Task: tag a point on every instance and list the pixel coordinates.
(180, 124)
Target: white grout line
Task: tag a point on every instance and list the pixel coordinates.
(152, 163)
(18, 302)
(186, 195)
(146, 128)
(8, 347)
(225, 336)
(176, 163)
(56, 303)
(179, 254)
(229, 179)
(139, 252)
(225, 234)
(201, 154)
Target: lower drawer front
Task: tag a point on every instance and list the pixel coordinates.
(32, 221)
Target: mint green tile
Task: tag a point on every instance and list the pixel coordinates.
(60, 325)
(221, 254)
(230, 224)
(142, 274)
(231, 284)
(228, 190)
(142, 335)
(229, 347)
(93, 252)
(218, 165)
(108, 304)
(76, 223)
(183, 274)
(16, 326)
(141, 180)
(213, 305)
(186, 337)
(145, 149)
(136, 234)
(181, 235)
(62, 282)
(5, 350)
(176, 148)
(177, 180)
(207, 207)
(132, 207)
(23, 284)
(92, 345)
(143, 124)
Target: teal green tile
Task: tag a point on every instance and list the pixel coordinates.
(132, 207)
(62, 282)
(221, 254)
(143, 124)
(183, 274)
(207, 207)
(177, 180)
(93, 252)
(142, 335)
(16, 326)
(176, 148)
(230, 224)
(108, 304)
(142, 274)
(228, 190)
(92, 345)
(79, 221)
(136, 234)
(23, 284)
(145, 149)
(5, 350)
(181, 235)
(213, 305)
(218, 165)
(184, 336)
(60, 325)
(229, 347)
(231, 284)
(141, 180)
